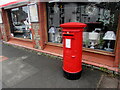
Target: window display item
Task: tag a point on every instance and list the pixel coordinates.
(20, 23)
(56, 8)
(85, 36)
(93, 36)
(91, 9)
(86, 39)
(30, 35)
(12, 34)
(58, 37)
(99, 17)
(109, 35)
(52, 32)
(97, 29)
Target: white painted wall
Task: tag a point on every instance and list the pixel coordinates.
(2, 2)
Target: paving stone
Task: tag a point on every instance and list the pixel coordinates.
(15, 71)
(48, 74)
(109, 82)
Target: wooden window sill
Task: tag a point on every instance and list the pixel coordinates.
(99, 51)
(55, 44)
(22, 39)
(86, 49)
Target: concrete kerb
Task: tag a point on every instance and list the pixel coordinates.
(51, 55)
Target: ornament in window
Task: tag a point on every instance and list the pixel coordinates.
(56, 8)
(91, 9)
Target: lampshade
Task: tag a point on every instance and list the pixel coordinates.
(109, 35)
(93, 36)
(52, 30)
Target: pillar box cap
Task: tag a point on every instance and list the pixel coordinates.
(73, 25)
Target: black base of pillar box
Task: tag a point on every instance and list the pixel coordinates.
(72, 76)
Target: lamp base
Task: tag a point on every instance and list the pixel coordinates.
(92, 47)
(92, 44)
(109, 49)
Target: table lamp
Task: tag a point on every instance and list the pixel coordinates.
(52, 32)
(93, 36)
(109, 35)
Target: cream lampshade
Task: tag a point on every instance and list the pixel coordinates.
(93, 36)
(52, 32)
(109, 35)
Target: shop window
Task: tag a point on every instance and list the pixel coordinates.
(20, 22)
(101, 20)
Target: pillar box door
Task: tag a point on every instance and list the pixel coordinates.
(72, 49)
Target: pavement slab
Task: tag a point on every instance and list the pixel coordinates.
(15, 71)
(56, 80)
(109, 82)
(25, 69)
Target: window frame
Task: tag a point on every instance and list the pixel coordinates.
(1, 19)
(84, 49)
(12, 37)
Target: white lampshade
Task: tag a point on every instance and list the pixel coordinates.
(109, 35)
(52, 30)
(93, 36)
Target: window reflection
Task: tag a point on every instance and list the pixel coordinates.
(20, 23)
(99, 17)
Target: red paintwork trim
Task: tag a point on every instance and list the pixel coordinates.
(10, 3)
(2, 58)
(84, 61)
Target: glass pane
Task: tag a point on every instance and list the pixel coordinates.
(55, 18)
(101, 19)
(20, 23)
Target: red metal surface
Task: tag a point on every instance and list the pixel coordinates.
(73, 25)
(72, 57)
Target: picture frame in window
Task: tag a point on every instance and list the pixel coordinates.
(1, 21)
(33, 12)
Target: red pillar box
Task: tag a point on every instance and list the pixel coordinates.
(72, 49)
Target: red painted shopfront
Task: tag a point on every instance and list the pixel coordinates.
(43, 33)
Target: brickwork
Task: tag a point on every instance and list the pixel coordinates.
(5, 28)
(3, 33)
(38, 29)
(43, 23)
(36, 36)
